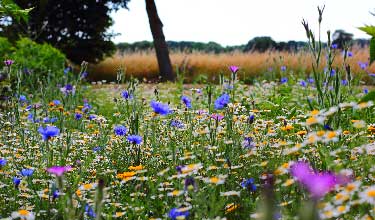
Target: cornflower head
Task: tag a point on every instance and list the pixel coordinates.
(120, 130)
(8, 62)
(186, 101)
(222, 101)
(48, 132)
(3, 162)
(178, 213)
(126, 95)
(249, 184)
(134, 139)
(160, 108)
(27, 172)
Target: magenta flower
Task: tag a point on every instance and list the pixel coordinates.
(59, 170)
(234, 69)
(217, 117)
(318, 184)
(8, 62)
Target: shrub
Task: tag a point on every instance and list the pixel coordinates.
(5, 48)
(38, 58)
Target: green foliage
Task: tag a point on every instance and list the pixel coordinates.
(78, 28)
(260, 44)
(370, 30)
(5, 48)
(369, 97)
(9, 8)
(38, 58)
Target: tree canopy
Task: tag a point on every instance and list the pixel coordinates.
(79, 28)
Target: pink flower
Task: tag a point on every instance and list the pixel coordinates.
(59, 170)
(318, 184)
(217, 117)
(234, 69)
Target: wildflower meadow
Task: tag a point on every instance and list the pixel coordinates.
(292, 146)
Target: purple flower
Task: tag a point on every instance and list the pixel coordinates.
(67, 70)
(120, 130)
(222, 101)
(190, 181)
(92, 117)
(372, 74)
(176, 213)
(365, 90)
(303, 83)
(56, 102)
(186, 101)
(68, 89)
(248, 143)
(160, 108)
(234, 69)
(310, 80)
(350, 54)
(59, 170)
(333, 72)
(84, 75)
(334, 46)
(134, 139)
(48, 132)
(217, 117)
(283, 68)
(363, 66)
(251, 119)
(8, 62)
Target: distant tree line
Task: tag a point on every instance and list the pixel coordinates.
(258, 44)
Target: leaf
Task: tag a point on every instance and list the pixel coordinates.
(370, 30)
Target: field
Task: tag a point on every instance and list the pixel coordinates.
(275, 149)
(199, 66)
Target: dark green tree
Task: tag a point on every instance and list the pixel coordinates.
(260, 44)
(341, 38)
(79, 28)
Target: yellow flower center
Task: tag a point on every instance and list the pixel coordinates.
(23, 212)
(371, 193)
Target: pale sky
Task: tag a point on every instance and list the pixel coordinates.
(235, 22)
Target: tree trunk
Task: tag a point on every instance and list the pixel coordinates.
(161, 48)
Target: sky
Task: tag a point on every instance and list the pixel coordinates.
(235, 22)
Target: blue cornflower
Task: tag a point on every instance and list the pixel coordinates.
(89, 211)
(334, 46)
(249, 184)
(327, 127)
(22, 98)
(186, 101)
(177, 124)
(350, 54)
(365, 90)
(67, 70)
(134, 139)
(77, 116)
(310, 80)
(97, 148)
(344, 82)
(372, 74)
(303, 83)
(251, 119)
(175, 213)
(3, 162)
(86, 107)
(222, 101)
(55, 194)
(333, 72)
(363, 66)
(120, 130)
(84, 75)
(283, 68)
(248, 143)
(56, 102)
(27, 172)
(160, 108)
(16, 181)
(91, 117)
(284, 80)
(48, 132)
(126, 95)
